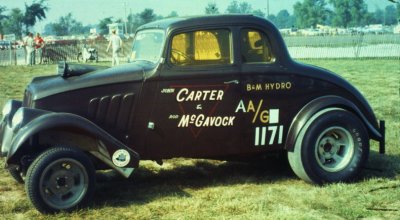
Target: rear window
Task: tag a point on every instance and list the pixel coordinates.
(203, 47)
(255, 47)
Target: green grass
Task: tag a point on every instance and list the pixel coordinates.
(204, 189)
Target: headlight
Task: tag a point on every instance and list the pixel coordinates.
(6, 109)
(17, 119)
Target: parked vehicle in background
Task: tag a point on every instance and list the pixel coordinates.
(87, 54)
(396, 29)
(216, 87)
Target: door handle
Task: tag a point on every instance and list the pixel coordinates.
(232, 82)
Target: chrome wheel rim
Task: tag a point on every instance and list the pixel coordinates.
(64, 183)
(334, 149)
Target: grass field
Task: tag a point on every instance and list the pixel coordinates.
(203, 189)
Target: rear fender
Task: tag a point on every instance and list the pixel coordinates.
(319, 104)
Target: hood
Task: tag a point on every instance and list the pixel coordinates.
(41, 87)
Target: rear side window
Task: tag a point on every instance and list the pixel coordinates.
(255, 47)
(203, 47)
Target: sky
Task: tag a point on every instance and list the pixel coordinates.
(91, 11)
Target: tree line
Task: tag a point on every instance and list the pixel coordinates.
(17, 21)
(306, 14)
(342, 13)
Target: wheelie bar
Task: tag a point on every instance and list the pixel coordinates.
(382, 148)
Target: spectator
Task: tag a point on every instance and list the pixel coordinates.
(24, 46)
(30, 50)
(116, 44)
(39, 46)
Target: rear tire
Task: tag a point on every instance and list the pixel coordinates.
(60, 179)
(331, 147)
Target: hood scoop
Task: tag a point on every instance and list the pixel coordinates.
(66, 70)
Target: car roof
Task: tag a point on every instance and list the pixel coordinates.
(190, 21)
(210, 21)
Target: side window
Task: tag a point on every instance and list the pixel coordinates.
(204, 47)
(255, 47)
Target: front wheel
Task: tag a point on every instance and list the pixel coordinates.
(60, 179)
(16, 174)
(331, 147)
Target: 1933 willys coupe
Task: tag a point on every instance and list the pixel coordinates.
(218, 87)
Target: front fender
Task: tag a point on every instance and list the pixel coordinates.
(8, 112)
(326, 102)
(107, 145)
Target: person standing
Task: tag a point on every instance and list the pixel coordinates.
(39, 46)
(116, 44)
(30, 49)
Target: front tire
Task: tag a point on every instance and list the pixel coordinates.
(60, 179)
(16, 174)
(331, 147)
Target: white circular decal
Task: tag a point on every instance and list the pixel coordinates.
(121, 158)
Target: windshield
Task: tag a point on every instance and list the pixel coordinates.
(148, 45)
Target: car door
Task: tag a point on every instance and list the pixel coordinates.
(265, 98)
(194, 112)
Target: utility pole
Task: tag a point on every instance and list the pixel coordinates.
(126, 28)
(267, 8)
(130, 22)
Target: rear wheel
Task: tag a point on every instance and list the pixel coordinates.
(60, 179)
(332, 147)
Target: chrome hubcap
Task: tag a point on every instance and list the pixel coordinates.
(334, 149)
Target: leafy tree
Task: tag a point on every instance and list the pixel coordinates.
(239, 8)
(34, 12)
(369, 18)
(398, 11)
(245, 8)
(133, 22)
(173, 14)
(2, 17)
(48, 29)
(379, 17)
(233, 8)
(103, 25)
(138, 19)
(211, 9)
(349, 12)
(390, 15)
(342, 15)
(272, 18)
(14, 22)
(147, 15)
(282, 19)
(67, 25)
(358, 11)
(310, 13)
(259, 13)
